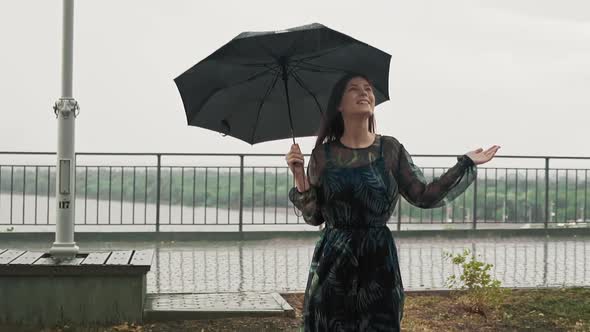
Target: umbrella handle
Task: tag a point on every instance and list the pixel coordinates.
(283, 62)
(289, 110)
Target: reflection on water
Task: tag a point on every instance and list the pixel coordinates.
(282, 264)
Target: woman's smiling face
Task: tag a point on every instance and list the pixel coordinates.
(358, 98)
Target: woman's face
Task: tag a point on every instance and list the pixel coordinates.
(358, 98)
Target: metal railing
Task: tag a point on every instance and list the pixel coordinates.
(173, 190)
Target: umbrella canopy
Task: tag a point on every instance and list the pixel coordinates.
(264, 86)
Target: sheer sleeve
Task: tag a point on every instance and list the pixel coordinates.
(415, 189)
(309, 201)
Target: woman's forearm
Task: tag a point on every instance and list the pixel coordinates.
(301, 182)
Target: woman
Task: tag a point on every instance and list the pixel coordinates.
(354, 178)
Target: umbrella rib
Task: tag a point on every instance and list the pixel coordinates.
(267, 50)
(326, 69)
(320, 68)
(288, 52)
(295, 63)
(272, 85)
(255, 76)
(270, 66)
(275, 68)
(300, 82)
(315, 56)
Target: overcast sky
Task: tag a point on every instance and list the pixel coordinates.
(464, 74)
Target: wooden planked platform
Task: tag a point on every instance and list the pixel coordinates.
(96, 287)
(22, 263)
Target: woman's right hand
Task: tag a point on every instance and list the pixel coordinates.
(296, 165)
(295, 160)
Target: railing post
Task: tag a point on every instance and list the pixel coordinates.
(474, 225)
(241, 220)
(158, 184)
(547, 192)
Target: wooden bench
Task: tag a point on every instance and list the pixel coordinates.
(96, 287)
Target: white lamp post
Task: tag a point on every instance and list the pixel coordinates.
(66, 110)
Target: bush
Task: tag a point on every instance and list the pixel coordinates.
(479, 293)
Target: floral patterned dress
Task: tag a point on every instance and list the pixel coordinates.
(354, 282)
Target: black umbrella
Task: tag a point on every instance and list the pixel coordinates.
(252, 85)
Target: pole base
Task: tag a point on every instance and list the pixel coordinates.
(64, 250)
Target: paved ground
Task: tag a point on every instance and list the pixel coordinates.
(281, 265)
(214, 305)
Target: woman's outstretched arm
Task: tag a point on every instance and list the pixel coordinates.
(417, 191)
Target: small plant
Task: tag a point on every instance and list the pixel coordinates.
(479, 291)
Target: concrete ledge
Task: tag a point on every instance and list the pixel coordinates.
(259, 235)
(91, 288)
(448, 292)
(46, 301)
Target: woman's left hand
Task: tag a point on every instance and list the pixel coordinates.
(480, 156)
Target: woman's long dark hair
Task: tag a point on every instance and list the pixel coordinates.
(332, 124)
